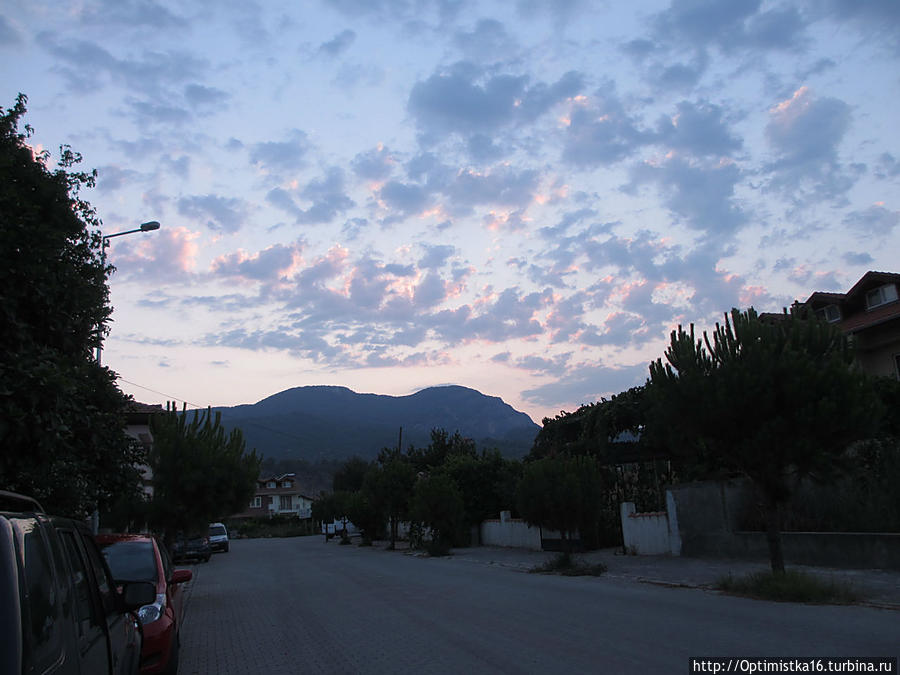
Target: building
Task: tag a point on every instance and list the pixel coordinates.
(137, 421)
(869, 313)
(278, 496)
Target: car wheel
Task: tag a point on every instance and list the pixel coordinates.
(225, 550)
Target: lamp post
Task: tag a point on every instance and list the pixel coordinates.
(104, 242)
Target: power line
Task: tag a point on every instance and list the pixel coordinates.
(168, 396)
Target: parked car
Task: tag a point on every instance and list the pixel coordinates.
(132, 558)
(218, 537)
(61, 611)
(191, 547)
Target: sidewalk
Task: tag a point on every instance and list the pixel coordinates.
(880, 588)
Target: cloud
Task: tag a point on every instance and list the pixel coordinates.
(200, 96)
(339, 44)
(701, 194)
(875, 220)
(729, 25)
(804, 132)
(131, 13)
(111, 178)
(487, 41)
(587, 384)
(221, 214)
(166, 256)
(10, 35)
(857, 258)
(278, 156)
(269, 265)
(698, 129)
(601, 132)
(327, 197)
(467, 99)
(88, 66)
(376, 164)
(436, 256)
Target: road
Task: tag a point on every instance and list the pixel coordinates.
(299, 605)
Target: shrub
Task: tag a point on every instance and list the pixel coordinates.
(567, 565)
(789, 586)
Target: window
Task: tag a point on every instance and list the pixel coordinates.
(881, 296)
(285, 503)
(829, 313)
(271, 484)
(43, 601)
(256, 503)
(287, 484)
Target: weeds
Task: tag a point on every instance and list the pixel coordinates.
(792, 586)
(566, 565)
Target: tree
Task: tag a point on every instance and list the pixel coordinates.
(61, 413)
(200, 474)
(438, 504)
(484, 481)
(349, 477)
(562, 493)
(772, 400)
(441, 447)
(390, 484)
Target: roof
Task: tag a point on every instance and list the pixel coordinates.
(867, 279)
(866, 282)
(872, 317)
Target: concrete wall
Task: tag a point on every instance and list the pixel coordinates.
(644, 533)
(510, 532)
(705, 516)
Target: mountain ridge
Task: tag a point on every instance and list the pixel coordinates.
(334, 422)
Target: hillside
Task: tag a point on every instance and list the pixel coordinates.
(325, 422)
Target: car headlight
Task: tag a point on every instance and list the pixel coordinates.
(150, 613)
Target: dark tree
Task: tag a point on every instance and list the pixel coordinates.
(562, 493)
(62, 421)
(349, 477)
(438, 504)
(773, 400)
(200, 473)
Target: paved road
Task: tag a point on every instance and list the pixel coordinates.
(299, 605)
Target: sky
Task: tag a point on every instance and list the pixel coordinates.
(524, 197)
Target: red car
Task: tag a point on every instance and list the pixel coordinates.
(139, 557)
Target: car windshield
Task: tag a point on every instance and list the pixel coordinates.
(217, 530)
(131, 560)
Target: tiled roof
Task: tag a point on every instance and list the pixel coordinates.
(872, 317)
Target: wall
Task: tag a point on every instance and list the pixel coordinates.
(510, 532)
(644, 533)
(706, 516)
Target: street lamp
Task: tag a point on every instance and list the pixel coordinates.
(104, 242)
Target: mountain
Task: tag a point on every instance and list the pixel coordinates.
(325, 422)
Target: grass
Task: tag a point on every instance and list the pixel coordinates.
(792, 586)
(566, 565)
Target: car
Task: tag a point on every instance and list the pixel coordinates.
(61, 610)
(191, 547)
(218, 537)
(133, 557)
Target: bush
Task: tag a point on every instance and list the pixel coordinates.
(277, 526)
(790, 586)
(567, 565)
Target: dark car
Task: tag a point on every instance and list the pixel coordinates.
(61, 611)
(192, 547)
(133, 557)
